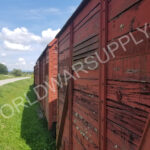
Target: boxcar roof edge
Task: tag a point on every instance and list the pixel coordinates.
(48, 46)
(77, 11)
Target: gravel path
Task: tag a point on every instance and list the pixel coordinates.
(3, 82)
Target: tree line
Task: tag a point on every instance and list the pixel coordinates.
(15, 72)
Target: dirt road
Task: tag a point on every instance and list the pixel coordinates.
(3, 82)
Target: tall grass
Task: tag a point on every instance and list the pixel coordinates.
(3, 77)
(25, 130)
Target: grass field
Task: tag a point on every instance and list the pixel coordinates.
(25, 130)
(3, 77)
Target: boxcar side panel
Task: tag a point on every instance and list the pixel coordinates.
(63, 62)
(128, 77)
(110, 103)
(52, 101)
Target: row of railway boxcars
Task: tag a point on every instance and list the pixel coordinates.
(101, 57)
(45, 69)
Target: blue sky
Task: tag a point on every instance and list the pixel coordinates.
(27, 26)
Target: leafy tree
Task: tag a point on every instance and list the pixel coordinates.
(17, 72)
(3, 69)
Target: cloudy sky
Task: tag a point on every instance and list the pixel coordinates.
(27, 26)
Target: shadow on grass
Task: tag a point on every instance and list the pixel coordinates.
(34, 129)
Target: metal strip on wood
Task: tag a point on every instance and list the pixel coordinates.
(102, 74)
(145, 137)
(71, 91)
(63, 118)
(57, 126)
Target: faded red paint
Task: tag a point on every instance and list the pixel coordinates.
(108, 108)
(46, 70)
(53, 95)
(145, 143)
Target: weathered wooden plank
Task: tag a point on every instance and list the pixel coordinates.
(64, 46)
(87, 103)
(64, 61)
(86, 42)
(85, 12)
(130, 69)
(65, 40)
(120, 137)
(132, 48)
(124, 121)
(86, 19)
(112, 146)
(63, 51)
(89, 75)
(76, 142)
(63, 118)
(137, 112)
(135, 17)
(87, 49)
(88, 86)
(85, 55)
(90, 28)
(64, 34)
(132, 94)
(145, 144)
(88, 130)
(64, 55)
(85, 113)
(86, 65)
(118, 7)
(87, 143)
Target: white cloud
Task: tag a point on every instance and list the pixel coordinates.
(3, 63)
(22, 61)
(15, 46)
(49, 34)
(19, 35)
(52, 10)
(44, 10)
(3, 54)
(20, 44)
(20, 39)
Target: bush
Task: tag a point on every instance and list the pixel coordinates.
(17, 72)
(3, 69)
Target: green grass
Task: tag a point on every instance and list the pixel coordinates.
(9, 76)
(3, 77)
(25, 130)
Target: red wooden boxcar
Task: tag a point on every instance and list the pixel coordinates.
(45, 74)
(107, 107)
